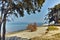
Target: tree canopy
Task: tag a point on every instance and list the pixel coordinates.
(54, 10)
(56, 7)
(18, 6)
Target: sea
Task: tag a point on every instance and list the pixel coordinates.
(12, 27)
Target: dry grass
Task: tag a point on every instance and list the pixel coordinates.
(54, 37)
(39, 38)
(57, 35)
(52, 28)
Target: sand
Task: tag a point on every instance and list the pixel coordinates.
(40, 33)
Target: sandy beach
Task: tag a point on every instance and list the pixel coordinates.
(26, 34)
(39, 33)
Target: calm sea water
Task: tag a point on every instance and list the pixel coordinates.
(11, 27)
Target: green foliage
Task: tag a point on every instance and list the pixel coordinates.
(50, 28)
(40, 2)
(57, 6)
(52, 13)
(24, 5)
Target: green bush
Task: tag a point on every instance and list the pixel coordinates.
(52, 28)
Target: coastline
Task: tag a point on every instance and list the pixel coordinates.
(23, 30)
(15, 32)
(39, 33)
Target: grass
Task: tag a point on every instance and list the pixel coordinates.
(57, 35)
(54, 37)
(52, 28)
(39, 38)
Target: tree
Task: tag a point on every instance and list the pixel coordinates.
(53, 15)
(16, 7)
(0, 28)
(0, 19)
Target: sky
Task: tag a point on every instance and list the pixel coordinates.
(39, 16)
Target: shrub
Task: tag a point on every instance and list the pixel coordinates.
(29, 26)
(32, 27)
(52, 28)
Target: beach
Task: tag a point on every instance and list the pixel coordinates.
(40, 32)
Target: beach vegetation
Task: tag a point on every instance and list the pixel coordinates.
(41, 38)
(32, 27)
(51, 28)
(57, 35)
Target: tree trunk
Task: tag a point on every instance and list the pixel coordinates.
(4, 30)
(4, 25)
(4, 20)
(0, 31)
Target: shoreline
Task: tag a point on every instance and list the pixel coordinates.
(26, 34)
(15, 31)
(39, 33)
(22, 30)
